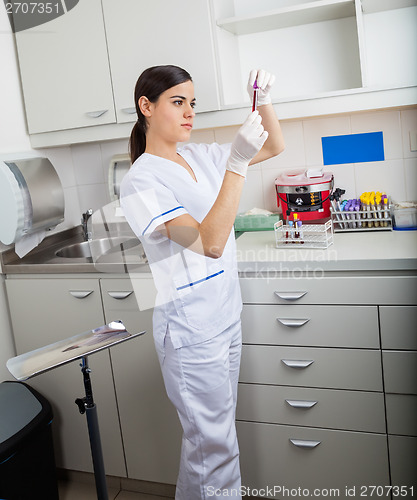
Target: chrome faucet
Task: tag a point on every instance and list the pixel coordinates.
(84, 224)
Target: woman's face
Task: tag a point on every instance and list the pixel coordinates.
(171, 117)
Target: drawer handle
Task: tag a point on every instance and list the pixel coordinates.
(96, 114)
(129, 111)
(290, 295)
(81, 294)
(120, 295)
(303, 443)
(298, 363)
(293, 323)
(300, 404)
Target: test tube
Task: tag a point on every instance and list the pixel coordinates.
(255, 96)
(386, 214)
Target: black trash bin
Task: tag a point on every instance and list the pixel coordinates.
(27, 462)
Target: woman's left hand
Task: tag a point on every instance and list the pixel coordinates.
(264, 81)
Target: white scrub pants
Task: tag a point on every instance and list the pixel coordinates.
(201, 381)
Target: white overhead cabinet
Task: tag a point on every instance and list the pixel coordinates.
(319, 49)
(65, 71)
(329, 56)
(141, 34)
(390, 39)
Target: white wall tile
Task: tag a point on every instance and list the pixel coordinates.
(315, 129)
(72, 209)
(388, 176)
(293, 154)
(202, 136)
(87, 163)
(386, 121)
(83, 168)
(344, 178)
(93, 196)
(268, 183)
(410, 166)
(61, 159)
(252, 194)
(224, 135)
(408, 124)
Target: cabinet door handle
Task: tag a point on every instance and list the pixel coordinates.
(290, 295)
(300, 404)
(298, 363)
(303, 443)
(129, 111)
(96, 114)
(293, 323)
(120, 295)
(80, 294)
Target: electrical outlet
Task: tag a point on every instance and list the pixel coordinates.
(413, 140)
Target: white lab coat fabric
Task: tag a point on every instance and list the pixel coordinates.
(197, 295)
(201, 380)
(196, 321)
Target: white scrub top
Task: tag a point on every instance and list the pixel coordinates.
(198, 297)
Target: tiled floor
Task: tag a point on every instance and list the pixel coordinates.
(73, 490)
(81, 486)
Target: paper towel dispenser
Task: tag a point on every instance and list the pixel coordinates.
(31, 198)
(118, 168)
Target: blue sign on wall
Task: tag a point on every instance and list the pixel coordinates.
(353, 148)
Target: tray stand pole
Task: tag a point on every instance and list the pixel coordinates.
(86, 405)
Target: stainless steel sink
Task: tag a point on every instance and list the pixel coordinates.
(99, 247)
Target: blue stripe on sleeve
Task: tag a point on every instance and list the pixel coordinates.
(161, 215)
(200, 281)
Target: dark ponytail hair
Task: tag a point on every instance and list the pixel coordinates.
(151, 84)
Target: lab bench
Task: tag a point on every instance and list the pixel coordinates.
(327, 381)
(329, 364)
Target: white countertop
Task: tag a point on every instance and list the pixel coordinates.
(356, 251)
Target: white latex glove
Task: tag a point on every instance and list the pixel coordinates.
(264, 81)
(247, 143)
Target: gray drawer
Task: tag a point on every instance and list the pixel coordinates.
(354, 369)
(401, 414)
(360, 290)
(400, 371)
(323, 459)
(332, 409)
(304, 325)
(403, 461)
(398, 327)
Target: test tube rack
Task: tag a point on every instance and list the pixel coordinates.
(309, 235)
(371, 219)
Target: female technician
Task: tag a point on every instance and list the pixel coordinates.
(182, 204)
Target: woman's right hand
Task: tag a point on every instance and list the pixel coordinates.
(247, 143)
